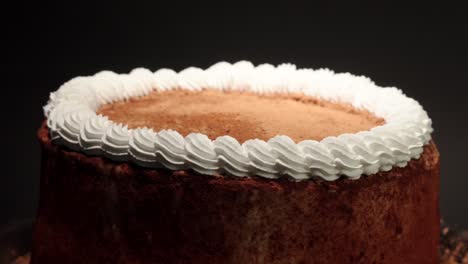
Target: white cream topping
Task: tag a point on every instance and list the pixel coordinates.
(141, 146)
(73, 122)
(92, 133)
(116, 142)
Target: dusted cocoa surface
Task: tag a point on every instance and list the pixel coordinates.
(93, 210)
(241, 115)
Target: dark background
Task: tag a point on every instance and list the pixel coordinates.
(420, 49)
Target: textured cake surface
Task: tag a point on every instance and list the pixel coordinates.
(241, 115)
(93, 210)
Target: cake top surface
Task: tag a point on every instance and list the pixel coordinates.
(368, 129)
(242, 115)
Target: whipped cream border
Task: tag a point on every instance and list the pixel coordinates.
(73, 122)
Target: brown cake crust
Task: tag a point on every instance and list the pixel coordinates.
(93, 210)
(242, 115)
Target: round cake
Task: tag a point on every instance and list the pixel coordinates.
(236, 164)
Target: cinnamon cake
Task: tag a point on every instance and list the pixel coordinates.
(236, 164)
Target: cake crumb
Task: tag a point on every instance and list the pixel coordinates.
(22, 259)
(453, 246)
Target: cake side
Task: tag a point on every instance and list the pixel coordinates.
(93, 210)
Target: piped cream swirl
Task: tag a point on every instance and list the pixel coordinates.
(73, 122)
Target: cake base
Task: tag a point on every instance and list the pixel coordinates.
(93, 210)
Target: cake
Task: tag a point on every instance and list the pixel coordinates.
(235, 164)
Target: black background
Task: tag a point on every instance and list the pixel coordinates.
(420, 49)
